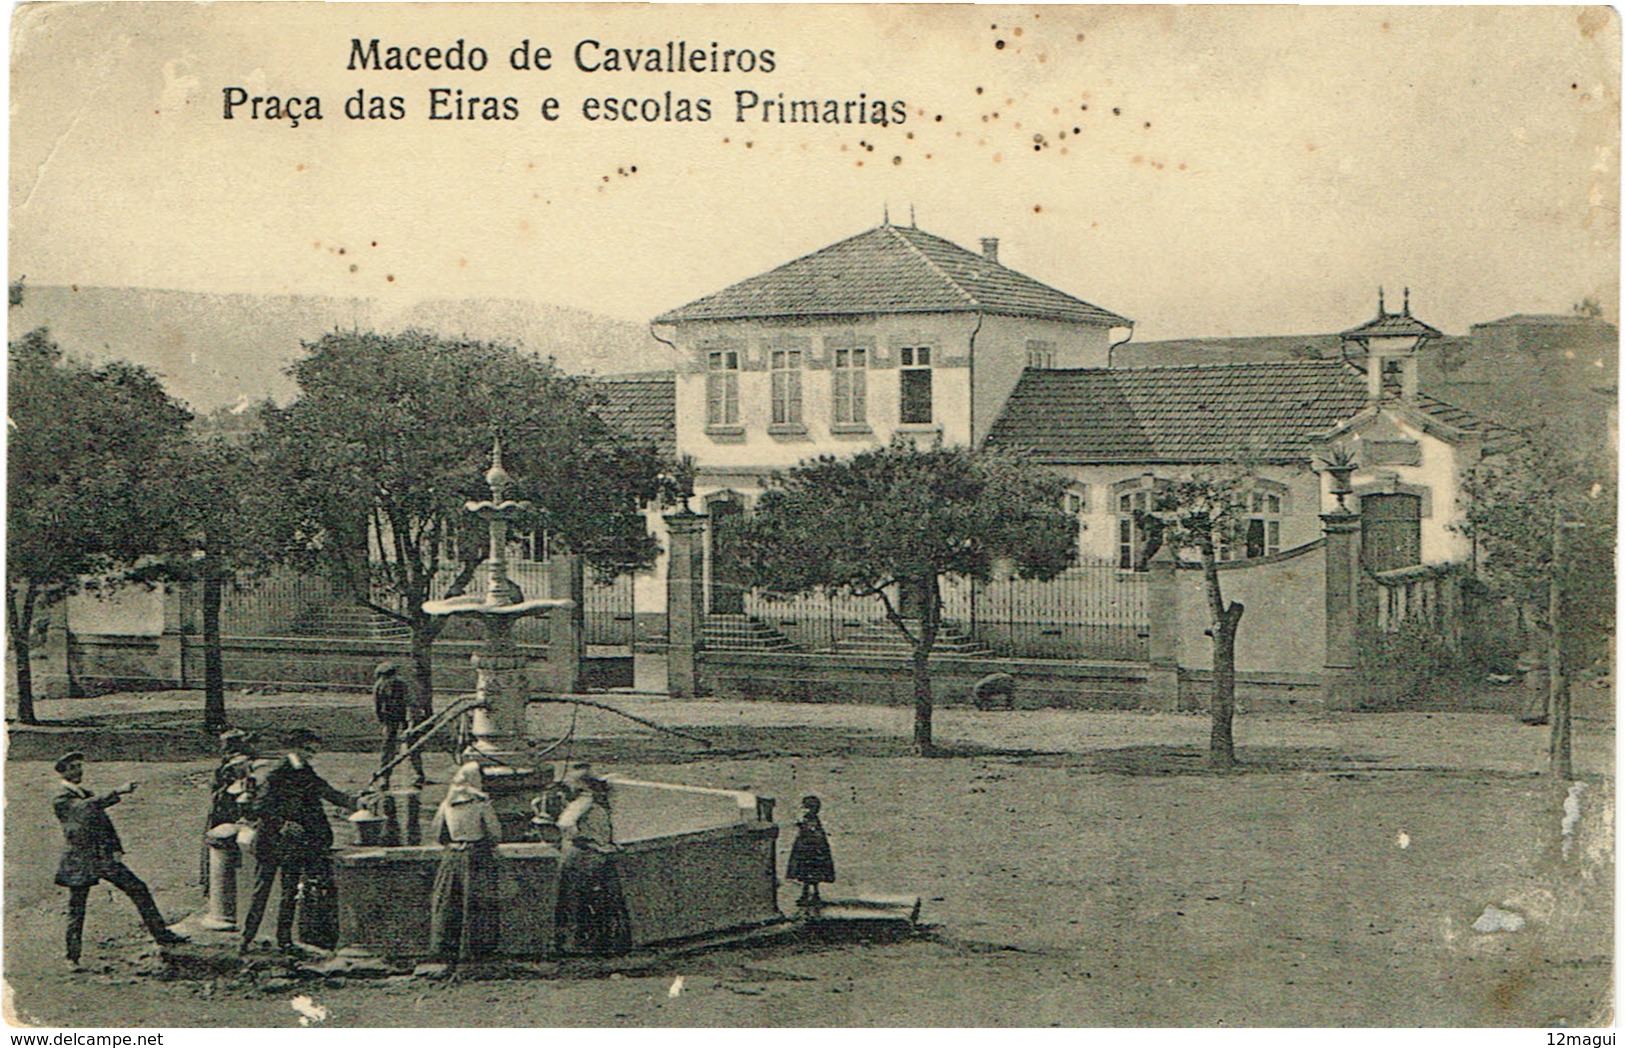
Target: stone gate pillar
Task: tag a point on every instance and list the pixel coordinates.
(685, 603)
(1162, 615)
(566, 627)
(1340, 681)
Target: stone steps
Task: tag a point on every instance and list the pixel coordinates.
(885, 639)
(351, 621)
(736, 632)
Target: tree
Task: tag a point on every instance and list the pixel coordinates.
(892, 523)
(1520, 507)
(84, 469)
(220, 525)
(392, 434)
(1207, 514)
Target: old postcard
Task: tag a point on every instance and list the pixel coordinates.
(543, 515)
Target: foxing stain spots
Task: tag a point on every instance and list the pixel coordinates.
(354, 268)
(375, 243)
(299, 167)
(389, 278)
(896, 161)
(978, 90)
(998, 45)
(1038, 209)
(1116, 111)
(1592, 20)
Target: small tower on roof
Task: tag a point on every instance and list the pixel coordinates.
(1391, 342)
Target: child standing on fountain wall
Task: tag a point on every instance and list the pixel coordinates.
(811, 863)
(463, 916)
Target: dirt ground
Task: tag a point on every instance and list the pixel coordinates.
(1077, 869)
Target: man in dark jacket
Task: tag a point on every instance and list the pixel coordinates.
(393, 703)
(294, 839)
(95, 853)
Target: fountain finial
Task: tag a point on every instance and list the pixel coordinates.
(497, 476)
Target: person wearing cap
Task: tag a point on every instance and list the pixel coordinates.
(95, 853)
(228, 794)
(293, 840)
(392, 702)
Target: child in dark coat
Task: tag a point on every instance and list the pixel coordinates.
(810, 860)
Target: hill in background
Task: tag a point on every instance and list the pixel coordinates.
(215, 351)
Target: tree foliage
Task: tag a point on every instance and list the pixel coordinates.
(221, 526)
(85, 474)
(1511, 505)
(392, 434)
(892, 523)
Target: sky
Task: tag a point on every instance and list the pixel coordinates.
(1207, 171)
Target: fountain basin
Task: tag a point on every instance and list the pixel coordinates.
(692, 861)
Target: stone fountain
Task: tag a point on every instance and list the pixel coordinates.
(502, 686)
(692, 860)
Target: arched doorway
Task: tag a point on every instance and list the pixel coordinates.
(727, 593)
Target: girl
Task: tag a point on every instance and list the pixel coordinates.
(463, 915)
(810, 860)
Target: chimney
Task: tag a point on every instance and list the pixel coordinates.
(990, 248)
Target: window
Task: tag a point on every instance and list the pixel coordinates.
(1138, 533)
(1263, 524)
(915, 384)
(786, 366)
(722, 388)
(851, 386)
(1040, 354)
(1076, 500)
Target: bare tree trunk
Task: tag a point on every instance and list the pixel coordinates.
(924, 701)
(1560, 747)
(21, 624)
(424, 632)
(1221, 752)
(214, 674)
(1221, 743)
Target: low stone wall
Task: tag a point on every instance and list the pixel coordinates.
(803, 677)
(675, 887)
(1256, 692)
(80, 664)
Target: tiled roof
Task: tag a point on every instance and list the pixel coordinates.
(891, 269)
(1546, 320)
(1212, 413)
(644, 406)
(1392, 325)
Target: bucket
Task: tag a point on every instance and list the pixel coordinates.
(369, 828)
